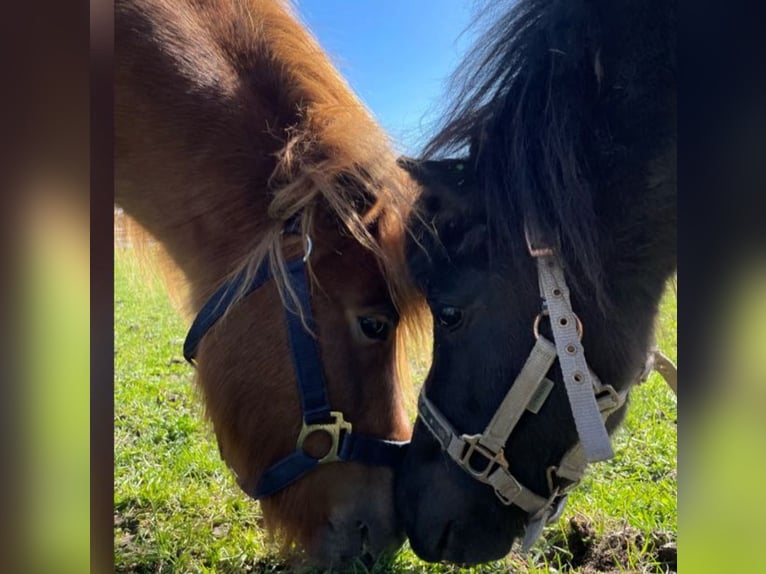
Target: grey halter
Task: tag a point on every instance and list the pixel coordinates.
(591, 402)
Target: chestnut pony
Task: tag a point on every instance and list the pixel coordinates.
(555, 237)
(239, 148)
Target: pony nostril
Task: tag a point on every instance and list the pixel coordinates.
(364, 530)
(364, 536)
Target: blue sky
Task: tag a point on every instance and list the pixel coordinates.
(396, 54)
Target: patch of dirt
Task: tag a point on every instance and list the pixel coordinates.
(126, 540)
(128, 524)
(613, 552)
(667, 555)
(666, 550)
(580, 538)
(269, 565)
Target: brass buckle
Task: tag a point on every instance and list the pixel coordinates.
(334, 429)
(494, 459)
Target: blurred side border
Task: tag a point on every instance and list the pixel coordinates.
(55, 249)
(722, 314)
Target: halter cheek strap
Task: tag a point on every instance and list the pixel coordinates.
(315, 407)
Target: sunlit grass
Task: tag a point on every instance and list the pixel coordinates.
(178, 509)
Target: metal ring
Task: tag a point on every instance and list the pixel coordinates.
(536, 325)
(579, 326)
(309, 247)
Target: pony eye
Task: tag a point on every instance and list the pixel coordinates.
(374, 328)
(450, 317)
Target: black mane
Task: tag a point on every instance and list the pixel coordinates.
(570, 110)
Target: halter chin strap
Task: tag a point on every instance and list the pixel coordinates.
(315, 407)
(483, 456)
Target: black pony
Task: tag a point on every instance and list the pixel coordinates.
(567, 113)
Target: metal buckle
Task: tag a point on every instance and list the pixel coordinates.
(604, 392)
(494, 459)
(552, 487)
(334, 429)
(536, 251)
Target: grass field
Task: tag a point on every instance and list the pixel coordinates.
(178, 509)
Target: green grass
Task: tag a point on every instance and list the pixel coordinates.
(178, 509)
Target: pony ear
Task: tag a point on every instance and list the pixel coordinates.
(443, 171)
(413, 167)
(406, 162)
(422, 170)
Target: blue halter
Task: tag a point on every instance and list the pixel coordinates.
(317, 416)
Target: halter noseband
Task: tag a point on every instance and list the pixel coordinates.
(315, 407)
(591, 402)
